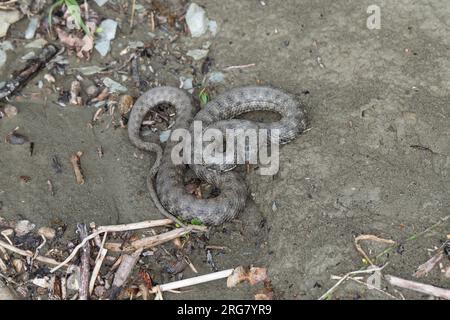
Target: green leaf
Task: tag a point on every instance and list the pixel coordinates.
(203, 97)
(196, 222)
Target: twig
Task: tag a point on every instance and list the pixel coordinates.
(152, 241)
(30, 254)
(124, 227)
(98, 264)
(75, 161)
(243, 66)
(333, 288)
(369, 237)
(426, 267)
(83, 292)
(365, 284)
(193, 281)
(124, 271)
(419, 287)
(133, 9)
(135, 226)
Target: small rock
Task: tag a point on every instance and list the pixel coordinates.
(108, 32)
(32, 27)
(197, 54)
(6, 45)
(36, 44)
(164, 135)
(10, 111)
(40, 282)
(101, 2)
(6, 293)
(73, 281)
(136, 44)
(187, 84)
(92, 91)
(23, 227)
(212, 26)
(3, 58)
(6, 19)
(50, 78)
(274, 206)
(114, 86)
(125, 104)
(18, 265)
(216, 77)
(47, 232)
(30, 55)
(196, 20)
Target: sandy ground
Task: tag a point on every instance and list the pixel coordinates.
(354, 172)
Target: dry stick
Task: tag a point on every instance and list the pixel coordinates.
(135, 226)
(30, 254)
(83, 292)
(75, 161)
(365, 284)
(193, 281)
(133, 9)
(419, 287)
(239, 67)
(29, 71)
(369, 237)
(98, 265)
(115, 228)
(149, 242)
(124, 271)
(333, 288)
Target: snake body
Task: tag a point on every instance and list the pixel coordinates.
(170, 196)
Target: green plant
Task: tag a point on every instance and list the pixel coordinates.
(203, 96)
(74, 10)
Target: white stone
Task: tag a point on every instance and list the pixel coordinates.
(108, 32)
(212, 26)
(36, 44)
(196, 20)
(23, 227)
(7, 18)
(114, 86)
(32, 27)
(197, 54)
(216, 77)
(101, 2)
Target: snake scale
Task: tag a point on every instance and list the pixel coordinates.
(168, 193)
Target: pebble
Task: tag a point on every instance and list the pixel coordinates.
(23, 227)
(3, 58)
(36, 44)
(32, 27)
(216, 77)
(164, 135)
(196, 20)
(187, 84)
(92, 91)
(197, 54)
(7, 18)
(30, 55)
(101, 2)
(6, 293)
(212, 26)
(47, 232)
(10, 111)
(108, 32)
(114, 86)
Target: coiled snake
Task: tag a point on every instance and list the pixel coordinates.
(170, 196)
